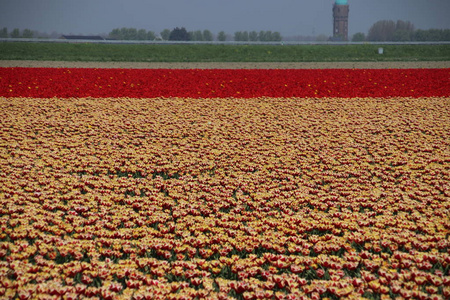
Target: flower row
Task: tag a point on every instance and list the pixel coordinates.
(216, 83)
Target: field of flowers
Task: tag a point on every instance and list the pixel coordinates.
(210, 83)
(224, 184)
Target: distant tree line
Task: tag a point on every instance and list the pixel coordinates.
(199, 35)
(400, 31)
(381, 31)
(131, 34)
(15, 33)
(253, 36)
(432, 35)
(181, 34)
(176, 34)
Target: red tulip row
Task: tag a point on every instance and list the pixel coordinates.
(200, 83)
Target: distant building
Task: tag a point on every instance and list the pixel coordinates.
(83, 37)
(340, 20)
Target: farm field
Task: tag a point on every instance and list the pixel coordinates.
(220, 53)
(224, 184)
(211, 83)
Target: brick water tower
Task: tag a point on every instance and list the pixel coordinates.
(340, 20)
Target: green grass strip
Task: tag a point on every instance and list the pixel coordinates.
(219, 53)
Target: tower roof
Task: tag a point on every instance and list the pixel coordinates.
(342, 2)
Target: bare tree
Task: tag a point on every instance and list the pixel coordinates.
(387, 30)
(382, 31)
(404, 25)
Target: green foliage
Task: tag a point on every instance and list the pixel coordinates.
(27, 33)
(403, 31)
(151, 36)
(241, 36)
(131, 34)
(253, 36)
(196, 35)
(4, 32)
(359, 37)
(165, 34)
(263, 36)
(15, 33)
(222, 37)
(179, 34)
(402, 36)
(142, 34)
(220, 53)
(382, 31)
(432, 35)
(276, 36)
(207, 35)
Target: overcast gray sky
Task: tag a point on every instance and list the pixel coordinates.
(289, 17)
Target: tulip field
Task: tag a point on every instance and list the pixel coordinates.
(224, 184)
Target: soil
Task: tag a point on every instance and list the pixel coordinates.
(229, 65)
